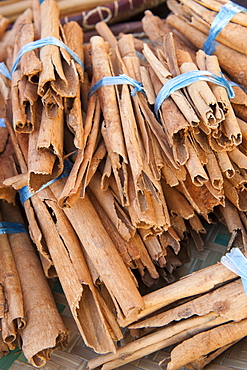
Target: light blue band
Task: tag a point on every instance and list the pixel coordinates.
(12, 228)
(186, 79)
(24, 192)
(227, 11)
(2, 122)
(50, 40)
(117, 80)
(4, 71)
(237, 263)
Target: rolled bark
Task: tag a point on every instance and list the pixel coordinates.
(44, 330)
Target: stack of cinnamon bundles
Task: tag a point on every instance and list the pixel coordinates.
(117, 182)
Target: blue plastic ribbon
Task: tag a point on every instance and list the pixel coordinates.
(186, 79)
(12, 228)
(117, 80)
(2, 122)
(226, 13)
(237, 263)
(4, 71)
(50, 40)
(24, 192)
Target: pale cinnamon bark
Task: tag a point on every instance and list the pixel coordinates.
(78, 178)
(44, 330)
(155, 341)
(30, 64)
(119, 283)
(14, 316)
(214, 171)
(225, 164)
(24, 79)
(239, 18)
(59, 77)
(113, 209)
(111, 130)
(203, 99)
(206, 279)
(73, 107)
(81, 295)
(156, 28)
(227, 57)
(200, 344)
(224, 301)
(176, 202)
(194, 167)
(163, 74)
(8, 168)
(234, 224)
(45, 152)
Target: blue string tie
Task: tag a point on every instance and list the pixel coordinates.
(226, 13)
(50, 40)
(237, 263)
(24, 192)
(186, 79)
(2, 122)
(117, 80)
(12, 228)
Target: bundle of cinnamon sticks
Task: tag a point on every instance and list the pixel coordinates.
(193, 20)
(115, 185)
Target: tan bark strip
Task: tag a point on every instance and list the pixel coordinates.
(211, 64)
(216, 5)
(234, 223)
(20, 147)
(176, 202)
(82, 301)
(30, 64)
(238, 157)
(45, 330)
(147, 84)
(9, 37)
(8, 168)
(228, 301)
(239, 199)
(78, 178)
(225, 164)
(214, 171)
(206, 279)
(82, 216)
(111, 130)
(45, 150)
(200, 344)
(10, 281)
(4, 22)
(194, 167)
(113, 209)
(164, 75)
(4, 349)
(73, 106)
(174, 125)
(155, 28)
(59, 75)
(156, 341)
(202, 361)
(203, 99)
